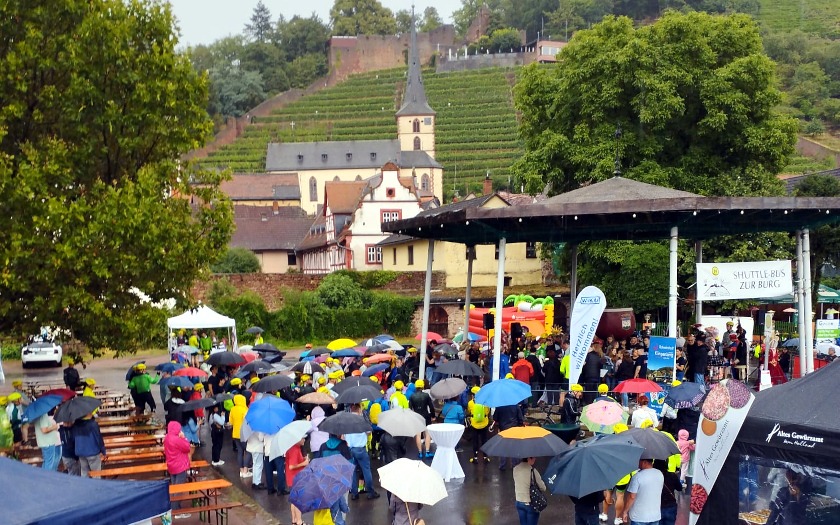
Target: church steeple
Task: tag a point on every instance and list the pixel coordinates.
(414, 98)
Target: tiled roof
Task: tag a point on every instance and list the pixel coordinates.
(343, 197)
(315, 237)
(793, 182)
(334, 155)
(617, 189)
(262, 186)
(261, 228)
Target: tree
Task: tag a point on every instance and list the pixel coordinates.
(404, 21)
(236, 260)
(469, 11)
(302, 36)
(340, 291)
(825, 240)
(305, 69)
(693, 94)
(505, 40)
(235, 90)
(431, 20)
(260, 26)
(96, 108)
(362, 17)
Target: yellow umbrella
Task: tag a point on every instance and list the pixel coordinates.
(339, 344)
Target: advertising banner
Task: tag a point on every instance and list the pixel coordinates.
(662, 360)
(828, 330)
(586, 314)
(750, 280)
(724, 412)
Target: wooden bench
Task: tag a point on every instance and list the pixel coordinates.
(220, 510)
(135, 457)
(129, 429)
(144, 441)
(135, 470)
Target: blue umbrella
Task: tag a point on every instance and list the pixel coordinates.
(131, 370)
(40, 406)
(384, 337)
(177, 381)
(321, 483)
(347, 352)
(503, 392)
(375, 369)
(169, 367)
(180, 357)
(269, 414)
(685, 395)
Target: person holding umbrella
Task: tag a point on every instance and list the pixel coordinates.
(421, 403)
(358, 449)
(48, 440)
(295, 462)
(523, 474)
(90, 447)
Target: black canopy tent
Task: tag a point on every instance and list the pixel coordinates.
(790, 436)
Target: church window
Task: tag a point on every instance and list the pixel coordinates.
(416, 143)
(415, 126)
(313, 190)
(424, 182)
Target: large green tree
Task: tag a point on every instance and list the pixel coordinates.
(693, 95)
(362, 17)
(96, 108)
(259, 28)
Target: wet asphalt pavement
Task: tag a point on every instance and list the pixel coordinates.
(485, 496)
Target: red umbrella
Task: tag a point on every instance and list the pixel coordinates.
(190, 371)
(429, 336)
(379, 358)
(637, 386)
(65, 393)
(249, 356)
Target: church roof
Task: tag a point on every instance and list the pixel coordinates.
(341, 155)
(414, 98)
(262, 187)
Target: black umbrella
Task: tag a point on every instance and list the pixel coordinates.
(272, 384)
(344, 423)
(257, 366)
(350, 382)
(377, 349)
(225, 359)
(459, 367)
(254, 330)
(274, 358)
(590, 467)
(791, 343)
(524, 442)
(265, 347)
(318, 351)
(308, 367)
(357, 394)
(448, 388)
(75, 408)
(195, 404)
(657, 445)
(221, 398)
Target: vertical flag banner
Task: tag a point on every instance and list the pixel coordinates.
(724, 412)
(586, 314)
(662, 361)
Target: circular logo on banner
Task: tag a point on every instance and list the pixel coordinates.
(715, 271)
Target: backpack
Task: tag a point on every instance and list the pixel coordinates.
(479, 414)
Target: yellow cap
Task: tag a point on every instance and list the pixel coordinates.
(14, 396)
(576, 388)
(324, 390)
(647, 423)
(70, 361)
(419, 383)
(364, 360)
(305, 377)
(373, 378)
(235, 381)
(253, 381)
(475, 389)
(198, 386)
(508, 376)
(17, 382)
(676, 382)
(398, 384)
(90, 381)
(308, 345)
(603, 389)
(620, 427)
(338, 374)
(411, 350)
(322, 380)
(4, 400)
(141, 366)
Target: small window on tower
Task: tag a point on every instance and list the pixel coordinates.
(427, 121)
(415, 126)
(416, 143)
(323, 157)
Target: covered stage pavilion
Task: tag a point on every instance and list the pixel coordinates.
(623, 209)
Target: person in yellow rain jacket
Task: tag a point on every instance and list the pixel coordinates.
(236, 418)
(478, 417)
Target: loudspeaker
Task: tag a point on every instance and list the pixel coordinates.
(488, 321)
(515, 330)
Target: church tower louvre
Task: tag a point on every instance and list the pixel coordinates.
(415, 118)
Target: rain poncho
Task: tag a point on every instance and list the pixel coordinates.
(6, 435)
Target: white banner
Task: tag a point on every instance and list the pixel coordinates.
(586, 314)
(724, 412)
(749, 280)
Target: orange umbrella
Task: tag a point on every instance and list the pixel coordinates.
(379, 358)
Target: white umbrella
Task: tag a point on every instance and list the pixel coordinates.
(393, 344)
(412, 481)
(401, 422)
(287, 437)
(245, 348)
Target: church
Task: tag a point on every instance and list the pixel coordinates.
(412, 152)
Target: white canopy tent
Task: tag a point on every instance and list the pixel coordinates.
(204, 317)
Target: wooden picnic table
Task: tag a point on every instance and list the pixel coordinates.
(134, 470)
(113, 421)
(129, 429)
(133, 440)
(135, 455)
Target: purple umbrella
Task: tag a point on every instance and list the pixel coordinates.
(321, 483)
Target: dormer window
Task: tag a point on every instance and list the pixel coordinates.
(372, 155)
(323, 157)
(349, 157)
(300, 157)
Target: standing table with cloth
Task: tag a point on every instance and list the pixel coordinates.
(446, 437)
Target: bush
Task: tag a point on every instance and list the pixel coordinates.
(247, 308)
(813, 128)
(368, 280)
(237, 260)
(340, 291)
(10, 351)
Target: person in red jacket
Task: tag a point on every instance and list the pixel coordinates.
(177, 450)
(522, 369)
